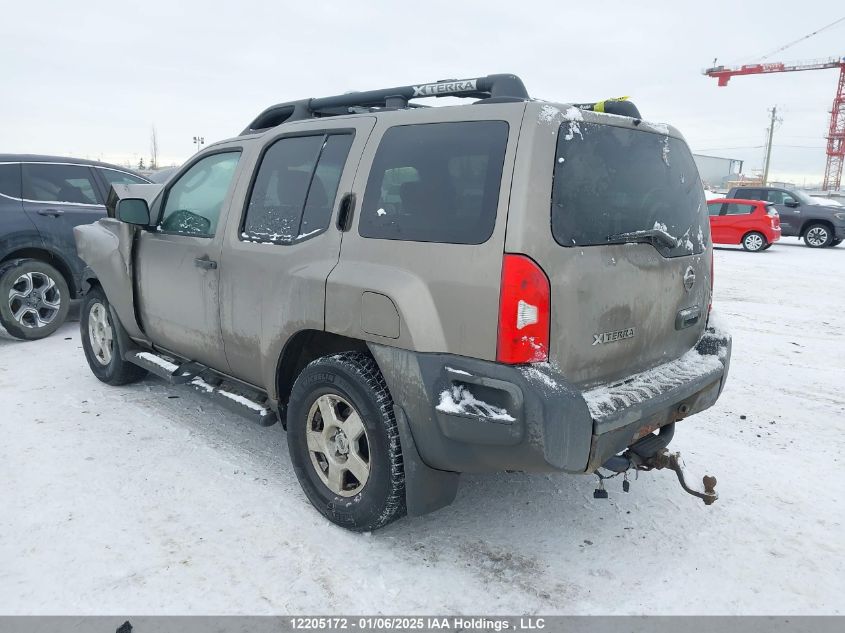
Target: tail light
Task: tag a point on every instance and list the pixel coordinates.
(523, 312)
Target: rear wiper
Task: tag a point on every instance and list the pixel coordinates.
(647, 234)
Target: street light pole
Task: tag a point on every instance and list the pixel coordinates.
(198, 141)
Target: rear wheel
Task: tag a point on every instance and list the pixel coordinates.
(754, 242)
(34, 298)
(818, 236)
(100, 343)
(344, 442)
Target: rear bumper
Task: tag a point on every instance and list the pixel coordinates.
(533, 419)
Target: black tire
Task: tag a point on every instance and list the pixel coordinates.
(754, 242)
(818, 235)
(115, 371)
(42, 301)
(354, 378)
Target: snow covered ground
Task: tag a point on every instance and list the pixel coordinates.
(151, 499)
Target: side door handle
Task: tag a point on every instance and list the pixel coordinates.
(205, 263)
(50, 212)
(347, 210)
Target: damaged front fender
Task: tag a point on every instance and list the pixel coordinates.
(106, 248)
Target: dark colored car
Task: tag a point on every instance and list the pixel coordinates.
(800, 216)
(42, 198)
(753, 223)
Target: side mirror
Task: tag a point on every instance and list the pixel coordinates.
(791, 203)
(133, 211)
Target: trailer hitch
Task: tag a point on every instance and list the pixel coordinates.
(650, 453)
(664, 459)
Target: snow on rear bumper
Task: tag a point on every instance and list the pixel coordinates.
(608, 403)
(528, 417)
(625, 411)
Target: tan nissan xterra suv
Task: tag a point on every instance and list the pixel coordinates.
(418, 292)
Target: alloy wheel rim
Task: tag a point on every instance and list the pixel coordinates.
(100, 333)
(817, 236)
(754, 242)
(34, 300)
(338, 445)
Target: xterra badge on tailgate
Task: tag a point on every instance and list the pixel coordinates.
(610, 337)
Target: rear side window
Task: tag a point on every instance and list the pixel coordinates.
(115, 177)
(10, 180)
(615, 184)
(750, 194)
(74, 184)
(739, 209)
(436, 182)
(295, 188)
(714, 208)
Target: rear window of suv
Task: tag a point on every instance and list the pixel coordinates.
(610, 181)
(435, 182)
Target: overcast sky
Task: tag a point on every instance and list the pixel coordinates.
(91, 78)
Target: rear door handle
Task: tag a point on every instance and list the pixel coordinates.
(51, 212)
(347, 210)
(205, 263)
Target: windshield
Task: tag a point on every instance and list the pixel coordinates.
(614, 184)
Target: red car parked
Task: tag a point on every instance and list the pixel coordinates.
(753, 223)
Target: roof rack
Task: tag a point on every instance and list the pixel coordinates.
(499, 87)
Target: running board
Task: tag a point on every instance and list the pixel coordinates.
(171, 372)
(257, 411)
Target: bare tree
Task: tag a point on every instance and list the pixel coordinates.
(153, 149)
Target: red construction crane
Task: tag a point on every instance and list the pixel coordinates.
(836, 132)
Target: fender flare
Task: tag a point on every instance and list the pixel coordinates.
(85, 282)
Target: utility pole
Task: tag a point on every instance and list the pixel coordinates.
(774, 112)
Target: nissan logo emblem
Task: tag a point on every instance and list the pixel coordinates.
(689, 278)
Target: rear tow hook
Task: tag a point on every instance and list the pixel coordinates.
(660, 459)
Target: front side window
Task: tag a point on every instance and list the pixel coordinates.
(436, 182)
(73, 184)
(616, 184)
(295, 188)
(779, 197)
(739, 209)
(115, 177)
(194, 201)
(10, 180)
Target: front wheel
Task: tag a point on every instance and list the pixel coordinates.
(34, 298)
(818, 236)
(97, 330)
(344, 442)
(754, 242)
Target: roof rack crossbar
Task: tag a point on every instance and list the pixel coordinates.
(491, 86)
